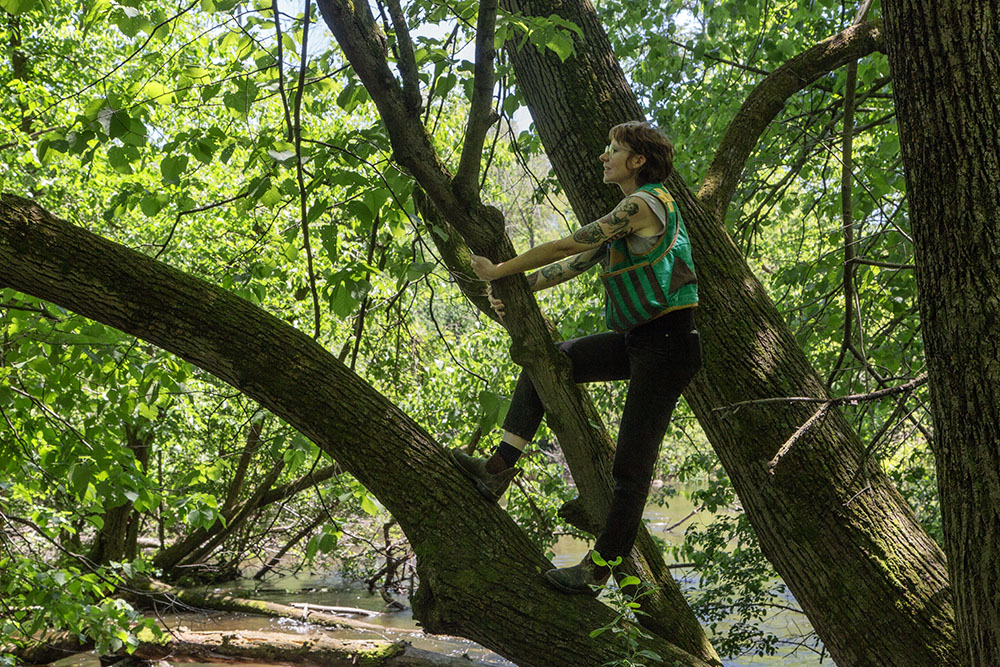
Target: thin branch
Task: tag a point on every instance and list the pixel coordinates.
(360, 323)
(851, 399)
(28, 309)
(801, 431)
(281, 69)
(732, 63)
(847, 215)
(198, 209)
(847, 206)
(884, 265)
(768, 99)
(406, 60)
(149, 38)
(481, 113)
(296, 130)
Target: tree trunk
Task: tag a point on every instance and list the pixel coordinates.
(480, 576)
(117, 539)
(872, 582)
(946, 68)
(570, 414)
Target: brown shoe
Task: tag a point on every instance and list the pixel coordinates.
(490, 485)
(586, 577)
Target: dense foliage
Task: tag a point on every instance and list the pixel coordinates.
(230, 140)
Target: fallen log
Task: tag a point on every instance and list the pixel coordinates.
(163, 593)
(257, 646)
(288, 647)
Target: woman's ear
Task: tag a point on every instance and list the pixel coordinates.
(635, 161)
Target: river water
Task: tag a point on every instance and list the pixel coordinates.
(331, 590)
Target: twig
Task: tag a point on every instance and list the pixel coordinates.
(149, 38)
(674, 525)
(847, 208)
(199, 209)
(884, 265)
(281, 68)
(851, 399)
(748, 68)
(802, 430)
(303, 195)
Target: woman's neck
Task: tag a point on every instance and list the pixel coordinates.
(628, 187)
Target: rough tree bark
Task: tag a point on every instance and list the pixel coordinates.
(571, 415)
(946, 68)
(872, 582)
(480, 576)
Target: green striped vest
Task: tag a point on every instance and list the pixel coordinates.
(641, 287)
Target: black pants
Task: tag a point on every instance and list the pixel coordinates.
(658, 359)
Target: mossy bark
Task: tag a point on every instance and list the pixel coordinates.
(872, 582)
(945, 70)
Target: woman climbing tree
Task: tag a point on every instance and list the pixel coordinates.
(650, 295)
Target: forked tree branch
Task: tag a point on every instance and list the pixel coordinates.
(481, 115)
(406, 59)
(767, 100)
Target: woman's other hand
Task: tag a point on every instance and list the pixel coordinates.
(495, 303)
(484, 268)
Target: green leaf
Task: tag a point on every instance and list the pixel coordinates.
(210, 91)
(202, 150)
(561, 45)
(151, 205)
(17, 6)
(240, 99)
(148, 411)
(417, 270)
(79, 477)
(328, 541)
(118, 124)
(158, 92)
(119, 160)
(270, 198)
(171, 168)
(368, 505)
(284, 156)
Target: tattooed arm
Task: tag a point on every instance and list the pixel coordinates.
(630, 216)
(553, 274)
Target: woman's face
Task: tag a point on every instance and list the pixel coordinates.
(619, 163)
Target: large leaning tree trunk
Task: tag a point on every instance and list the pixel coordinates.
(945, 64)
(454, 198)
(870, 579)
(480, 576)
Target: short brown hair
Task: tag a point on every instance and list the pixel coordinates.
(643, 139)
